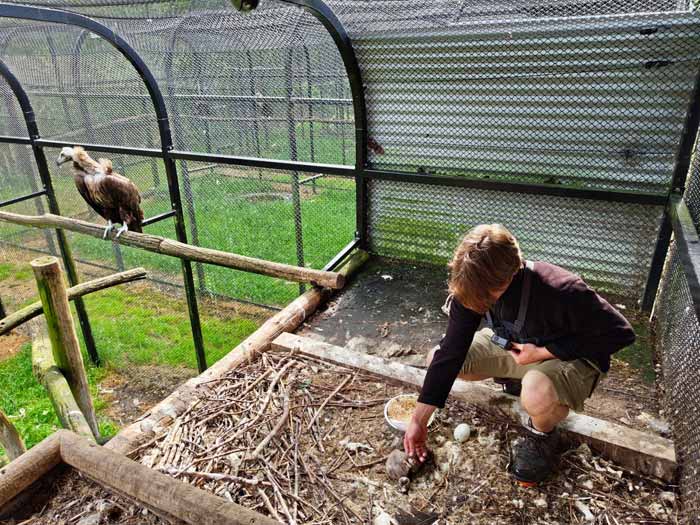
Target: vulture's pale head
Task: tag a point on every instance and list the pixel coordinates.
(65, 155)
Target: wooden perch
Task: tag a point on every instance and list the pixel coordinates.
(50, 377)
(29, 312)
(153, 243)
(64, 340)
(10, 439)
(639, 451)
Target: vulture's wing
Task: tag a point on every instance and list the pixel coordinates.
(121, 197)
(85, 194)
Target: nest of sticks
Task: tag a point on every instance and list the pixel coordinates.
(304, 441)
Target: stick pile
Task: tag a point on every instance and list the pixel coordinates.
(256, 437)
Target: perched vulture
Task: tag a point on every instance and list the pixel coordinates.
(112, 196)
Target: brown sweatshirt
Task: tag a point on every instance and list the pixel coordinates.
(564, 315)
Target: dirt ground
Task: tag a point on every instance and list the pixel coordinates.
(338, 458)
(67, 497)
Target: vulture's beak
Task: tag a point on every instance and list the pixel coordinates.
(62, 159)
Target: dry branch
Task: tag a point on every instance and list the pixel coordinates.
(259, 341)
(88, 287)
(10, 438)
(154, 243)
(639, 451)
(52, 379)
(64, 340)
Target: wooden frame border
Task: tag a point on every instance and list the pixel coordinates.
(165, 495)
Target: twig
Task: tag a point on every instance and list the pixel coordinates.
(338, 389)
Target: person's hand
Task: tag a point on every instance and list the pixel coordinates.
(525, 354)
(414, 440)
(417, 432)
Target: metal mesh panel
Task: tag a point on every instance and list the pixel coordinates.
(692, 189)
(677, 342)
(608, 244)
(594, 101)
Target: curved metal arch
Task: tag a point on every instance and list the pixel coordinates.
(324, 14)
(43, 168)
(55, 16)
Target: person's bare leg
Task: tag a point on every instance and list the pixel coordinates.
(464, 377)
(539, 399)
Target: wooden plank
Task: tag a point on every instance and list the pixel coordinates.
(29, 312)
(154, 243)
(289, 318)
(10, 438)
(157, 490)
(52, 379)
(64, 339)
(28, 468)
(642, 452)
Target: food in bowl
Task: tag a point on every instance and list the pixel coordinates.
(398, 411)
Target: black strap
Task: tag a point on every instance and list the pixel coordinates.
(524, 301)
(524, 297)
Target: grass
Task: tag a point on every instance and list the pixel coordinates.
(640, 355)
(228, 219)
(132, 327)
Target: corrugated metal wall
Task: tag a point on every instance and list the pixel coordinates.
(609, 244)
(598, 102)
(590, 102)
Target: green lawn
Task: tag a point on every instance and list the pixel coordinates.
(232, 214)
(132, 327)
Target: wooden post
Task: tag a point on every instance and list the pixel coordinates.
(64, 340)
(10, 438)
(52, 379)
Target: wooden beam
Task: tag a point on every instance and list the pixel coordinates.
(642, 452)
(10, 439)
(154, 243)
(29, 312)
(157, 490)
(289, 318)
(28, 468)
(51, 378)
(64, 340)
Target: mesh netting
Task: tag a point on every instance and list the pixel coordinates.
(692, 189)
(677, 343)
(609, 244)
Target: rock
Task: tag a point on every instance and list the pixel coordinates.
(383, 519)
(360, 344)
(518, 503)
(462, 432)
(355, 447)
(540, 503)
(91, 519)
(584, 451)
(668, 497)
(587, 484)
(585, 510)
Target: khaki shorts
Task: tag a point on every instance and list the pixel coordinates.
(574, 381)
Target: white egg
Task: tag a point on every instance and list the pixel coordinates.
(462, 432)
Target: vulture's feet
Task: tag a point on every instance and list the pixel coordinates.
(121, 230)
(107, 229)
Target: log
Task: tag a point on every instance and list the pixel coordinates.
(642, 452)
(64, 340)
(10, 439)
(29, 312)
(157, 490)
(28, 468)
(289, 318)
(50, 377)
(154, 243)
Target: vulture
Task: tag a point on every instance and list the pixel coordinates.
(112, 196)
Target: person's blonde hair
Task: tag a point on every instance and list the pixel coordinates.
(485, 260)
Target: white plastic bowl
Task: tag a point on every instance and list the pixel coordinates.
(400, 425)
